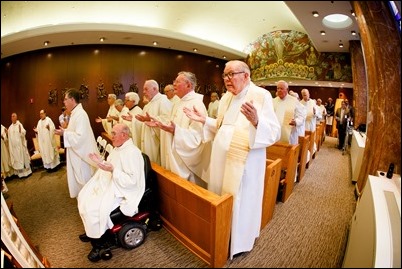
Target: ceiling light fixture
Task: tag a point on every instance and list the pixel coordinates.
(155, 43)
(195, 50)
(46, 43)
(353, 32)
(353, 13)
(340, 45)
(322, 32)
(102, 39)
(315, 14)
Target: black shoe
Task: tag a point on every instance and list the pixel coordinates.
(94, 255)
(84, 238)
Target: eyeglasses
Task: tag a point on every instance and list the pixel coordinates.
(231, 74)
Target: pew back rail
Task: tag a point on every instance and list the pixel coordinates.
(271, 185)
(289, 155)
(198, 218)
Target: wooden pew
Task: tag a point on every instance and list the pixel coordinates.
(319, 134)
(289, 155)
(311, 147)
(304, 142)
(198, 218)
(271, 185)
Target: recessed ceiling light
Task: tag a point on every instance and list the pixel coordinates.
(340, 45)
(315, 14)
(322, 32)
(353, 32)
(337, 21)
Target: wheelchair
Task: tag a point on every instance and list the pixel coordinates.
(130, 232)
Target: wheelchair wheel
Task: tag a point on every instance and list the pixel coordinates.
(132, 235)
(105, 254)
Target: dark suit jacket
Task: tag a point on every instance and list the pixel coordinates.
(341, 122)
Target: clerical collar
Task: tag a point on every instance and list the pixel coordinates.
(132, 107)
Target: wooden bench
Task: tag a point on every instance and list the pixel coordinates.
(198, 218)
(304, 142)
(289, 155)
(319, 134)
(311, 147)
(271, 185)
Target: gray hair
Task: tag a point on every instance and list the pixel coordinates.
(190, 77)
(119, 102)
(132, 96)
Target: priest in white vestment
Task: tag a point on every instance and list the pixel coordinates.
(158, 107)
(213, 105)
(291, 114)
(132, 100)
(47, 141)
(311, 119)
(170, 94)
(79, 141)
(119, 182)
(19, 154)
(6, 168)
(112, 112)
(246, 125)
(182, 148)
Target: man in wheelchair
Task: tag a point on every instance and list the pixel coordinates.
(109, 203)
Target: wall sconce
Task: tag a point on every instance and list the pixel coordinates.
(46, 43)
(353, 32)
(315, 14)
(322, 32)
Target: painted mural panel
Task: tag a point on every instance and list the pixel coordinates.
(289, 54)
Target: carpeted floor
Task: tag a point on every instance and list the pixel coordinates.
(308, 231)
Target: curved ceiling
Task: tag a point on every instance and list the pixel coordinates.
(216, 28)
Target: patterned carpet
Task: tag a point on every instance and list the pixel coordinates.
(308, 231)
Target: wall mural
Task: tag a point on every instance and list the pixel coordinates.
(289, 54)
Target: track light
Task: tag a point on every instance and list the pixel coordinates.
(322, 32)
(315, 14)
